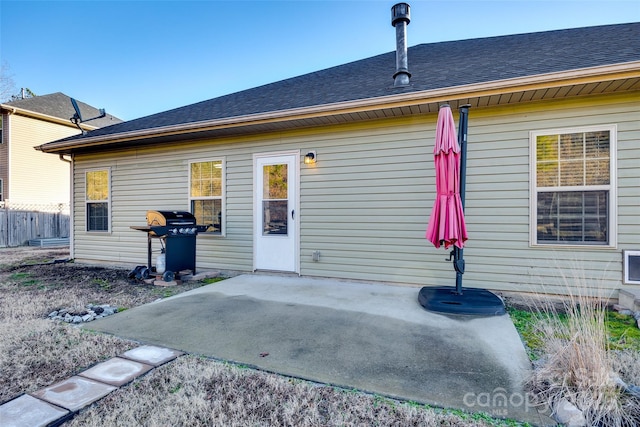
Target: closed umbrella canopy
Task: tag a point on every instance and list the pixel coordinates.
(446, 224)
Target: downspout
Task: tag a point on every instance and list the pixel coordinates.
(71, 173)
(8, 140)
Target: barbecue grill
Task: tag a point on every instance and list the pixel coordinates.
(177, 231)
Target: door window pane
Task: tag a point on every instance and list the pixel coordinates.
(274, 182)
(274, 217)
(275, 205)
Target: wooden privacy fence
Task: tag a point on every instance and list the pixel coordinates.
(23, 223)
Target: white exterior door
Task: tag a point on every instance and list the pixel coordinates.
(276, 212)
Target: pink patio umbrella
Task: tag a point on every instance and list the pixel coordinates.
(446, 224)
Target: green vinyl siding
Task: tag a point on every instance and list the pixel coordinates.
(365, 204)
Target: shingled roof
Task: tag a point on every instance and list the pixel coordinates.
(433, 67)
(59, 105)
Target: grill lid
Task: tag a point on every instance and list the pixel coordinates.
(163, 218)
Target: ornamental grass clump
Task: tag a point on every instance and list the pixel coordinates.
(577, 365)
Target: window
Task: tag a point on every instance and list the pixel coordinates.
(1, 190)
(631, 262)
(206, 194)
(573, 187)
(97, 199)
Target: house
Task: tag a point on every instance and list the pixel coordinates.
(553, 184)
(28, 177)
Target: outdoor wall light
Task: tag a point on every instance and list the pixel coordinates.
(310, 158)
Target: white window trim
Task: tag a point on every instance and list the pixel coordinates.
(223, 195)
(626, 254)
(86, 202)
(612, 187)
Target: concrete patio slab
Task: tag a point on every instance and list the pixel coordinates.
(372, 337)
(27, 411)
(152, 355)
(116, 371)
(74, 393)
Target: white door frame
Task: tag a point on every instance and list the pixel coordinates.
(257, 221)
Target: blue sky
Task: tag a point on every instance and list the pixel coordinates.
(136, 58)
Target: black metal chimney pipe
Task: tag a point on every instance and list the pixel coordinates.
(400, 18)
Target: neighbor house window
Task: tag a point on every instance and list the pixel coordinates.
(97, 191)
(573, 186)
(1, 190)
(206, 193)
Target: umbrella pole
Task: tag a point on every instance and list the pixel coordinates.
(458, 253)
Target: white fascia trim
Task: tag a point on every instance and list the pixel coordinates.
(35, 115)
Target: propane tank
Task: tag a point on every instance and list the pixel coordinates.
(161, 263)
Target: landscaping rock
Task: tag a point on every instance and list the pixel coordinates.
(89, 314)
(568, 414)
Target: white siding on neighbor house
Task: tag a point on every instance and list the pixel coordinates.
(36, 177)
(366, 202)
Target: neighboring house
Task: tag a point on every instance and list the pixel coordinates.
(29, 177)
(553, 183)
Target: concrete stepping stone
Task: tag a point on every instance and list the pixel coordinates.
(74, 393)
(28, 411)
(152, 355)
(116, 371)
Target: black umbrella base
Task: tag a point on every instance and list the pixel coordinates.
(445, 299)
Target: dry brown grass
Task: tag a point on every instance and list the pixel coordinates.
(36, 352)
(198, 392)
(577, 364)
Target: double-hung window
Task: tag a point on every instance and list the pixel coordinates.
(573, 192)
(206, 194)
(97, 199)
